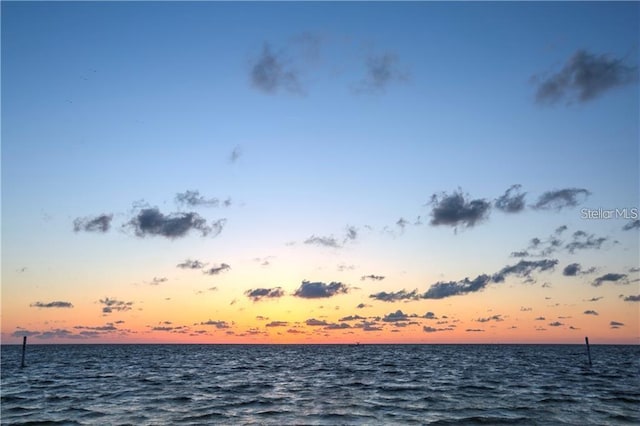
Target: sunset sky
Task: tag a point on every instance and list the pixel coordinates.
(320, 172)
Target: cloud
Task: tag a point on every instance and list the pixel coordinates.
(260, 293)
(396, 316)
(381, 71)
(594, 299)
(590, 312)
(191, 264)
(217, 269)
(634, 224)
(236, 153)
(474, 330)
(584, 77)
(270, 74)
(157, 280)
(560, 229)
(454, 210)
(352, 318)
(583, 241)
(277, 324)
(194, 199)
(612, 277)
(556, 324)
(522, 253)
(497, 318)
(632, 298)
(430, 315)
(524, 268)
(314, 290)
(372, 277)
(440, 290)
(351, 234)
(616, 324)
(316, 323)
(511, 202)
(429, 329)
(561, 198)
(362, 306)
(395, 296)
(56, 304)
(571, 270)
(150, 221)
(323, 241)
(100, 223)
(217, 324)
(111, 305)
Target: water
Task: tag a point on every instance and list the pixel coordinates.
(323, 384)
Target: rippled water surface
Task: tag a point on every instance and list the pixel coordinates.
(325, 384)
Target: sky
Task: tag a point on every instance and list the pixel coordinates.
(215, 172)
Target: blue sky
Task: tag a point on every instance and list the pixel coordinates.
(305, 121)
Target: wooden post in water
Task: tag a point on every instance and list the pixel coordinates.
(24, 349)
(586, 339)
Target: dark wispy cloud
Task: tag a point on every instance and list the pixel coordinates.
(561, 198)
(351, 234)
(443, 289)
(261, 293)
(616, 324)
(362, 306)
(111, 305)
(512, 201)
(217, 324)
(456, 210)
(236, 153)
(584, 241)
(277, 324)
(372, 277)
(216, 270)
(584, 77)
(158, 280)
(394, 296)
(314, 290)
(381, 71)
(270, 73)
(524, 268)
(556, 324)
(352, 318)
(101, 223)
(634, 224)
(323, 241)
(632, 298)
(191, 264)
(429, 329)
(316, 322)
(150, 221)
(56, 304)
(610, 277)
(496, 318)
(193, 198)
(590, 312)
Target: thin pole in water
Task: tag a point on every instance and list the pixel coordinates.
(24, 349)
(586, 339)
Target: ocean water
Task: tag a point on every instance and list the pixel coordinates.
(320, 384)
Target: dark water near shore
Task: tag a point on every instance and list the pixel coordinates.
(307, 384)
